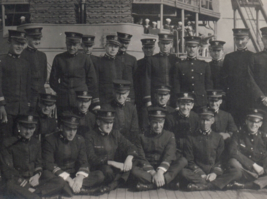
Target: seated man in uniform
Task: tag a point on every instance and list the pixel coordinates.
(46, 124)
(102, 145)
(21, 164)
(64, 154)
(203, 152)
(224, 122)
(157, 165)
(162, 96)
(248, 152)
(87, 118)
(126, 119)
(184, 121)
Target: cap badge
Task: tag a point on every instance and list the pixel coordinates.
(213, 93)
(30, 117)
(73, 119)
(158, 112)
(185, 94)
(72, 35)
(216, 43)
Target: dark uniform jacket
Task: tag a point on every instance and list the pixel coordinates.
(76, 73)
(107, 70)
(181, 126)
(46, 125)
(249, 149)
(236, 79)
(139, 81)
(193, 75)
(215, 69)
(159, 68)
(126, 120)
(38, 64)
(156, 150)
(101, 147)
(15, 84)
(203, 152)
(20, 158)
(61, 155)
(224, 122)
(129, 65)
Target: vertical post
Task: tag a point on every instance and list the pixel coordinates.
(3, 18)
(215, 29)
(82, 14)
(182, 39)
(257, 25)
(234, 26)
(196, 22)
(161, 16)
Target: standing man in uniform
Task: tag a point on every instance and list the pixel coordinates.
(159, 68)
(236, 79)
(127, 63)
(193, 75)
(216, 52)
(157, 166)
(38, 62)
(75, 72)
(64, 154)
(88, 42)
(139, 76)
(15, 84)
(203, 151)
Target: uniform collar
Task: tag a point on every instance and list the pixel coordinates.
(109, 57)
(25, 140)
(181, 115)
(72, 55)
(102, 133)
(164, 54)
(204, 132)
(243, 50)
(62, 137)
(121, 52)
(116, 103)
(13, 55)
(31, 49)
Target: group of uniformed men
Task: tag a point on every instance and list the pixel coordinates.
(157, 121)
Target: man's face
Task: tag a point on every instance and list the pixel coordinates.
(165, 48)
(121, 97)
(83, 106)
(16, 47)
(148, 51)
(69, 133)
(253, 125)
(112, 49)
(162, 99)
(215, 104)
(241, 42)
(157, 125)
(72, 48)
(264, 41)
(87, 49)
(124, 47)
(185, 107)
(26, 132)
(192, 50)
(205, 123)
(216, 54)
(33, 42)
(105, 126)
(47, 109)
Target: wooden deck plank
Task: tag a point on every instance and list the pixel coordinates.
(121, 193)
(171, 194)
(213, 195)
(231, 194)
(153, 194)
(113, 194)
(137, 195)
(222, 195)
(145, 194)
(104, 196)
(162, 194)
(180, 194)
(197, 194)
(207, 194)
(246, 194)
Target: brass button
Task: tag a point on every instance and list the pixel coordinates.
(192, 70)
(192, 77)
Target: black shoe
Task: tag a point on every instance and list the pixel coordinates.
(84, 191)
(197, 187)
(144, 187)
(235, 185)
(101, 190)
(172, 186)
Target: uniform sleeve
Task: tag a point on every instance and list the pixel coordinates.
(142, 156)
(208, 80)
(93, 159)
(126, 145)
(147, 81)
(231, 127)
(224, 74)
(189, 155)
(134, 126)
(92, 81)
(2, 98)
(218, 166)
(176, 81)
(169, 154)
(82, 158)
(235, 152)
(55, 76)
(38, 162)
